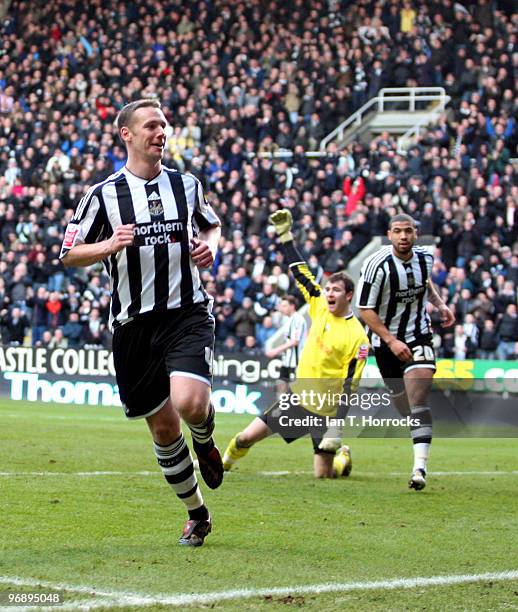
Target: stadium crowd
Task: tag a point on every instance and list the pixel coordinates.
(239, 81)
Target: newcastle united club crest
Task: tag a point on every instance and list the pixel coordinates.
(154, 203)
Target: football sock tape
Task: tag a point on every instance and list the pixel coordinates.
(176, 463)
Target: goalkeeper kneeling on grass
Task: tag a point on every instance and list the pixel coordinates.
(330, 366)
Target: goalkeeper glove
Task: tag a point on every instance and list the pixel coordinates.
(332, 439)
(282, 222)
(330, 445)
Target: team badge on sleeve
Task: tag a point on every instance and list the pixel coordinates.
(70, 236)
(363, 352)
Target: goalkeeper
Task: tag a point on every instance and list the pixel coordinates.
(330, 366)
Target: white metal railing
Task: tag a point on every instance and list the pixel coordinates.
(287, 154)
(410, 97)
(406, 139)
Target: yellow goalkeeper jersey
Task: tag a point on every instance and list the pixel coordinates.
(336, 348)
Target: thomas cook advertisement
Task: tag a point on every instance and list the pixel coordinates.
(470, 395)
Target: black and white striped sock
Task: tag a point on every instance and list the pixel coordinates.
(202, 432)
(177, 466)
(421, 435)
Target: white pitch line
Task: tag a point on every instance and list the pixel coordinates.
(122, 598)
(467, 473)
(78, 604)
(66, 417)
(81, 474)
(454, 473)
(109, 598)
(262, 473)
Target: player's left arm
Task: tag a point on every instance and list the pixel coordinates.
(205, 246)
(355, 366)
(278, 350)
(447, 316)
(208, 229)
(306, 282)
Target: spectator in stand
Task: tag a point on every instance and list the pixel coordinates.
(408, 16)
(58, 339)
(489, 341)
(460, 343)
(40, 270)
(225, 324)
(40, 314)
(264, 331)
(508, 331)
(266, 301)
(245, 320)
(16, 325)
(74, 331)
(240, 283)
(250, 347)
(472, 334)
(230, 344)
(505, 296)
(233, 102)
(95, 329)
(54, 307)
(18, 285)
(46, 339)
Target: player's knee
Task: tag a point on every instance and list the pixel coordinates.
(244, 439)
(193, 409)
(164, 433)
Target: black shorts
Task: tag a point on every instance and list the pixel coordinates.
(392, 369)
(286, 374)
(153, 347)
(278, 420)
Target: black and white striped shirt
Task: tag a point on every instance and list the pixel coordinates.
(157, 272)
(397, 290)
(296, 329)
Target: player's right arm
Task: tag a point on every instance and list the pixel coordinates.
(278, 350)
(306, 282)
(369, 288)
(375, 324)
(87, 254)
(89, 236)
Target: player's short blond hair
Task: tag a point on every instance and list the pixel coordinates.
(126, 113)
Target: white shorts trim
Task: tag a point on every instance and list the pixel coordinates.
(420, 365)
(191, 375)
(148, 414)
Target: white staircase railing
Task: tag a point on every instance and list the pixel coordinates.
(409, 97)
(405, 140)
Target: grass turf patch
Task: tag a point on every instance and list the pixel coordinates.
(119, 532)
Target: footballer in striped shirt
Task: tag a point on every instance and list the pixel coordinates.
(154, 230)
(392, 296)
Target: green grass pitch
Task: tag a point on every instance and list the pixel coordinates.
(63, 525)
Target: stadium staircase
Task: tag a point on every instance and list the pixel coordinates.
(397, 110)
